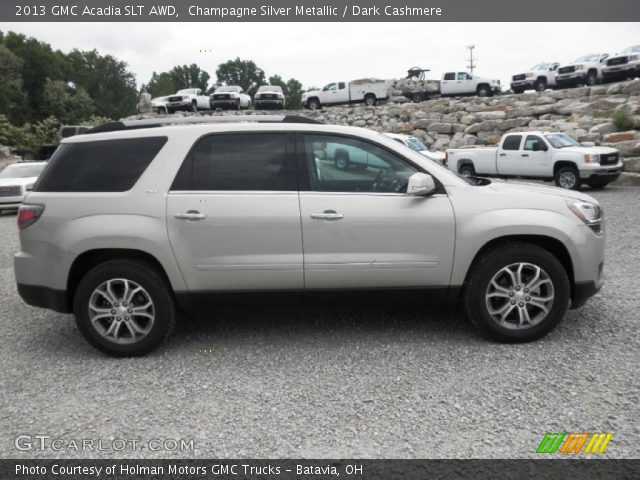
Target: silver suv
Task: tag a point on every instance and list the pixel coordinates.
(135, 221)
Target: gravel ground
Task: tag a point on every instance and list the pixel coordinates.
(333, 381)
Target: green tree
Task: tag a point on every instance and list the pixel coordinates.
(178, 78)
(292, 89)
(244, 73)
(66, 103)
(12, 97)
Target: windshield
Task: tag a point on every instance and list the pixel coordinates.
(227, 89)
(416, 144)
(561, 140)
(587, 58)
(635, 49)
(21, 171)
(187, 91)
(540, 66)
(270, 88)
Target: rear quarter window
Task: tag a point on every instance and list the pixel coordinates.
(100, 166)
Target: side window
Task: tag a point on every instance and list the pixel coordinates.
(341, 86)
(463, 76)
(554, 67)
(533, 143)
(102, 166)
(512, 142)
(449, 76)
(235, 161)
(331, 87)
(341, 164)
(604, 57)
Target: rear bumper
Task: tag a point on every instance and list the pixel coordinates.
(583, 291)
(44, 297)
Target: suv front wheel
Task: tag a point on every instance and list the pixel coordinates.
(124, 308)
(518, 292)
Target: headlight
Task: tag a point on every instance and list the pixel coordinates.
(634, 57)
(591, 158)
(580, 67)
(530, 75)
(589, 213)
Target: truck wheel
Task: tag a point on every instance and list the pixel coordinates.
(467, 171)
(516, 292)
(237, 105)
(342, 160)
(517, 90)
(28, 156)
(370, 100)
(540, 85)
(194, 106)
(568, 177)
(483, 91)
(313, 104)
(592, 78)
(124, 308)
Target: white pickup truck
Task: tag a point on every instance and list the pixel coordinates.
(539, 77)
(367, 91)
(586, 70)
(541, 155)
(191, 99)
(457, 84)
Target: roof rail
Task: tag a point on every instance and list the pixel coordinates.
(165, 121)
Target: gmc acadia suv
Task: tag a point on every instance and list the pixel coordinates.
(135, 221)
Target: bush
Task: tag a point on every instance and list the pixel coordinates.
(622, 121)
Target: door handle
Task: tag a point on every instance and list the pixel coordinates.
(503, 154)
(525, 154)
(191, 215)
(327, 215)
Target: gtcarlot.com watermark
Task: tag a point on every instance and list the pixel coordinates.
(30, 443)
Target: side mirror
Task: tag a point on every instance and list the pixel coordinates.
(421, 185)
(539, 147)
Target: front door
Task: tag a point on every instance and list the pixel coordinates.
(536, 161)
(361, 230)
(233, 214)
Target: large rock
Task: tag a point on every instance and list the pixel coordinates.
(620, 136)
(440, 128)
(5, 153)
(632, 164)
(603, 128)
(628, 179)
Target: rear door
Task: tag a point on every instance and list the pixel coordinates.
(361, 230)
(233, 214)
(510, 160)
(448, 83)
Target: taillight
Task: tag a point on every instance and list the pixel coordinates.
(28, 215)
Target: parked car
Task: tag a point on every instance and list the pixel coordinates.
(586, 70)
(16, 180)
(368, 91)
(269, 96)
(542, 155)
(137, 220)
(539, 78)
(189, 99)
(626, 64)
(415, 144)
(44, 151)
(230, 97)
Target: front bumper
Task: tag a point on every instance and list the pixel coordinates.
(269, 102)
(621, 71)
(11, 203)
(526, 84)
(572, 78)
(231, 103)
(183, 105)
(609, 172)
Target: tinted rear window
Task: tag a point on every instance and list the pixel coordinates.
(512, 142)
(102, 166)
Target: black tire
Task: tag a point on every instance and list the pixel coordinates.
(194, 106)
(488, 265)
(28, 156)
(418, 97)
(341, 160)
(592, 78)
(483, 91)
(517, 90)
(598, 184)
(370, 100)
(313, 104)
(237, 105)
(540, 85)
(170, 110)
(143, 274)
(467, 170)
(568, 177)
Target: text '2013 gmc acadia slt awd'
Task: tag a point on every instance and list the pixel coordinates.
(128, 225)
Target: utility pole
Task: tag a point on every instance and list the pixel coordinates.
(471, 65)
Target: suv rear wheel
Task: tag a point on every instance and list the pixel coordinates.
(517, 293)
(124, 308)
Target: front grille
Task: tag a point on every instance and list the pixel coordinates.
(518, 77)
(12, 191)
(570, 69)
(220, 96)
(175, 99)
(608, 159)
(617, 61)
